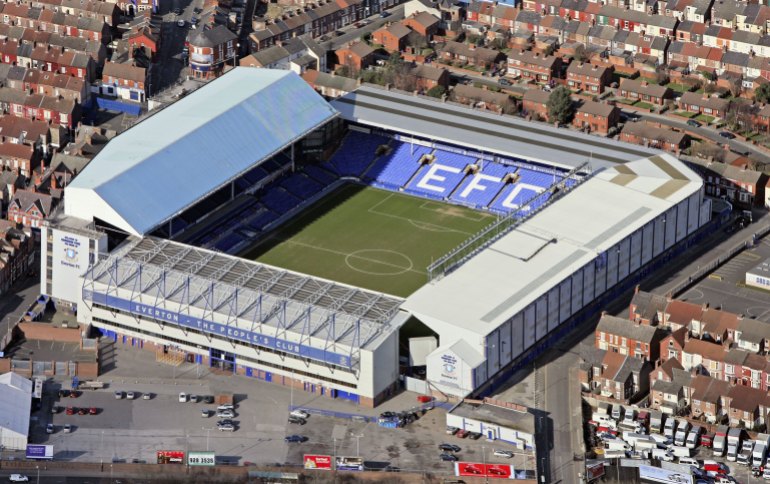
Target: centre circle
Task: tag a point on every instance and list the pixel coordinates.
(379, 262)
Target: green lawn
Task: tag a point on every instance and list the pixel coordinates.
(643, 105)
(705, 118)
(685, 114)
(678, 87)
(370, 238)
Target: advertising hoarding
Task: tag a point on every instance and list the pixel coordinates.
(39, 452)
(201, 459)
(170, 457)
(594, 471)
(477, 469)
(343, 463)
(313, 461)
(665, 476)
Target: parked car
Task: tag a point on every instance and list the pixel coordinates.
(193, 398)
(225, 414)
(299, 413)
(474, 435)
(295, 439)
(18, 478)
(449, 447)
(504, 453)
(67, 428)
(384, 14)
(49, 429)
(205, 413)
(74, 394)
(726, 135)
(182, 397)
(504, 82)
(118, 395)
(693, 123)
(55, 409)
(225, 422)
(146, 396)
(451, 430)
(197, 10)
(130, 395)
(448, 457)
(177, 11)
(71, 410)
(82, 411)
(226, 406)
(180, 23)
(194, 21)
(297, 420)
(226, 428)
(208, 399)
(93, 411)
(462, 433)
(64, 393)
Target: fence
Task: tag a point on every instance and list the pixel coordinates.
(331, 413)
(121, 107)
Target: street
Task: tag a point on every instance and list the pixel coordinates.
(353, 33)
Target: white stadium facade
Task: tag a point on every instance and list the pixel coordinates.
(492, 303)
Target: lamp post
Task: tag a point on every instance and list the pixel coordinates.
(484, 462)
(101, 452)
(38, 474)
(358, 440)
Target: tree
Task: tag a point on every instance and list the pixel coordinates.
(436, 91)
(661, 76)
(560, 107)
(762, 93)
(581, 54)
(707, 150)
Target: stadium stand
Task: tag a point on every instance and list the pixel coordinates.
(451, 180)
(278, 199)
(300, 185)
(394, 170)
(482, 198)
(356, 153)
(320, 174)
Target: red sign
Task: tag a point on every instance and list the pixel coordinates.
(594, 471)
(477, 469)
(318, 462)
(170, 457)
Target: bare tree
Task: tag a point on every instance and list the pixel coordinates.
(705, 150)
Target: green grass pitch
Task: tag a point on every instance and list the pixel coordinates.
(370, 238)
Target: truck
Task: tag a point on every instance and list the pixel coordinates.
(680, 451)
(603, 420)
(733, 444)
(719, 444)
(616, 444)
(617, 412)
(693, 438)
(760, 450)
(670, 428)
(90, 385)
(656, 421)
(632, 437)
(662, 455)
(680, 438)
(645, 444)
(629, 416)
(744, 456)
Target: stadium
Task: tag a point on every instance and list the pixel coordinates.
(256, 228)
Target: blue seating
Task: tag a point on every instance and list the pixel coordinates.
(300, 185)
(228, 242)
(356, 153)
(279, 200)
(442, 189)
(540, 179)
(318, 173)
(395, 169)
(522, 195)
(262, 220)
(482, 197)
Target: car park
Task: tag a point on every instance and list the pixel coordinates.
(206, 413)
(182, 397)
(448, 457)
(225, 406)
(225, 414)
(449, 447)
(18, 478)
(67, 428)
(130, 395)
(118, 395)
(504, 453)
(193, 398)
(49, 429)
(146, 396)
(295, 439)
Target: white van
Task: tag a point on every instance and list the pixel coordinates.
(670, 428)
(616, 444)
(680, 451)
(617, 412)
(663, 455)
(689, 461)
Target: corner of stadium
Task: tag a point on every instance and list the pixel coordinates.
(256, 228)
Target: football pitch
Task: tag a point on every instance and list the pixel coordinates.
(370, 238)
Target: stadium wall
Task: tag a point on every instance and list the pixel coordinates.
(523, 330)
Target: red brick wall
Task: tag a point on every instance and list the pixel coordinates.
(49, 332)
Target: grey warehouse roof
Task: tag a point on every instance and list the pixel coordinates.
(166, 163)
(506, 135)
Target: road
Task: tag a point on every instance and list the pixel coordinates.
(705, 132)
(16, 301)
(170, 66)
(354, 33)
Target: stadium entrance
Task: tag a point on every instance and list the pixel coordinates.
(222, 360)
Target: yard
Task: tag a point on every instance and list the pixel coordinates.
(704, 118)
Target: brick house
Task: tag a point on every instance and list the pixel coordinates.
(356, 56)
(709, 398)
(643, 91)
(588, 77)
(692, 102)
(124, 81)
(752, 335)
(596, 117)
(470, 54)
(26, 132)
(622, 377)
(478, 97)
(144, 38)
(424, 23)
(210, 50)
(329, 85)
(392, 37)
(682, 314)
(716, 325)
(645, 134)
(427, 76)
(29, 208)
(19, 158)
(533, 66)
(748, 406)
(647, 308)
(702, 354)
(739, 186)
(672, 345)
(534, 104)
(626, 337)
(16, 250)
(670, 395)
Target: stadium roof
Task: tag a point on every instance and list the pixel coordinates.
(460, 125)
(15, 404)
(152, 269)
(514, 271)
(172, 159)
